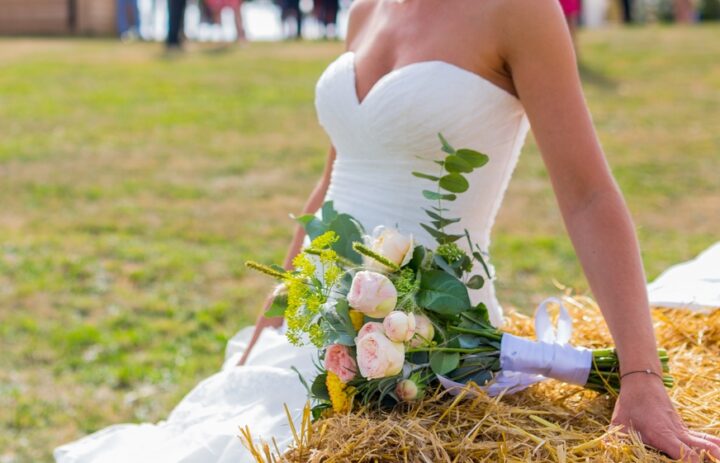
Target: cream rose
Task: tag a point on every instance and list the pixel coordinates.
(372, 293)
(424, 331)
(379, 357)
(399, 326)
(391, 244)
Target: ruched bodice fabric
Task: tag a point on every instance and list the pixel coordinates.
(393, 132)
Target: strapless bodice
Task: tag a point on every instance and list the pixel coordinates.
(394, 131)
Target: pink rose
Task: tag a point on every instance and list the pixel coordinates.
(370, 327)
(424, 331)
(379, 357)
(372, 294)
(339, 361)
(406, 390)
(399, 326)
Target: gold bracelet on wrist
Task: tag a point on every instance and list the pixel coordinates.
(647, 372)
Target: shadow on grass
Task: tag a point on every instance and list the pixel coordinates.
(596, 77)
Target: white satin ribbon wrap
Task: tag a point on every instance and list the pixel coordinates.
(525, 362)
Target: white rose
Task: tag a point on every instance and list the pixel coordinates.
(392, 245)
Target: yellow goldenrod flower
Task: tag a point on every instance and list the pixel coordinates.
(356, 317)
(340, 394)
(325, 240)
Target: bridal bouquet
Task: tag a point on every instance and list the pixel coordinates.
(391, 317)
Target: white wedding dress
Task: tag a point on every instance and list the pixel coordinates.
(379, 142)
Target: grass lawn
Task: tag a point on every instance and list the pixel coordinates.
(133, 187)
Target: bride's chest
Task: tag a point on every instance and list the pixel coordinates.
(411, 104)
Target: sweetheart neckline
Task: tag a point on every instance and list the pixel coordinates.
(388, 75)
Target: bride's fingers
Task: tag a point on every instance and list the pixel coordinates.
(677, 450)
(699, 443)
(708, 437)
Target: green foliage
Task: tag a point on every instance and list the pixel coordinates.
(443, 363)
(347, 229)
(450, 183)
(442, 293)
(337, 326)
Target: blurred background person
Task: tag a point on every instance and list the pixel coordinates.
(684, 11)
(326, 12)
(176, 20)
(215, 9)
(128, 19)
(290, 9)
(626, 7)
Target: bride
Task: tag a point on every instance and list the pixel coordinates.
(480, 72)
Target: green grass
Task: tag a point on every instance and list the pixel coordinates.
(133, 187)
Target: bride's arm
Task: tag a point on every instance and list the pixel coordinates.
(538, 51)
(311, 206)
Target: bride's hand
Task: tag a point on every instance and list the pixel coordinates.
(644, 406)
(262, 323)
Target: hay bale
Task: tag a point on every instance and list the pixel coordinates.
(548, 422)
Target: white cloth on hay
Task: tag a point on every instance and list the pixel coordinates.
(205, 425)
(694, 284)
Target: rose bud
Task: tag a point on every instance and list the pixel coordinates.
(372, 294)
(339, 361)
(399, 326)
(406, 390)
(424, 331)
(379, 357)
(391, 244)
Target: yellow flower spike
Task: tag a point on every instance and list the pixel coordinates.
(336, 391)
(356, 317)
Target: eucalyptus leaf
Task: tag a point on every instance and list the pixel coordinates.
(433, 195)
(445, 145)
(454, 183)
(476, 282)
(439, 236)
(436, 216)
(479, 257)
(449, 238)
(457, 164)
(426, 176)
(472, 157)
(443, 363)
